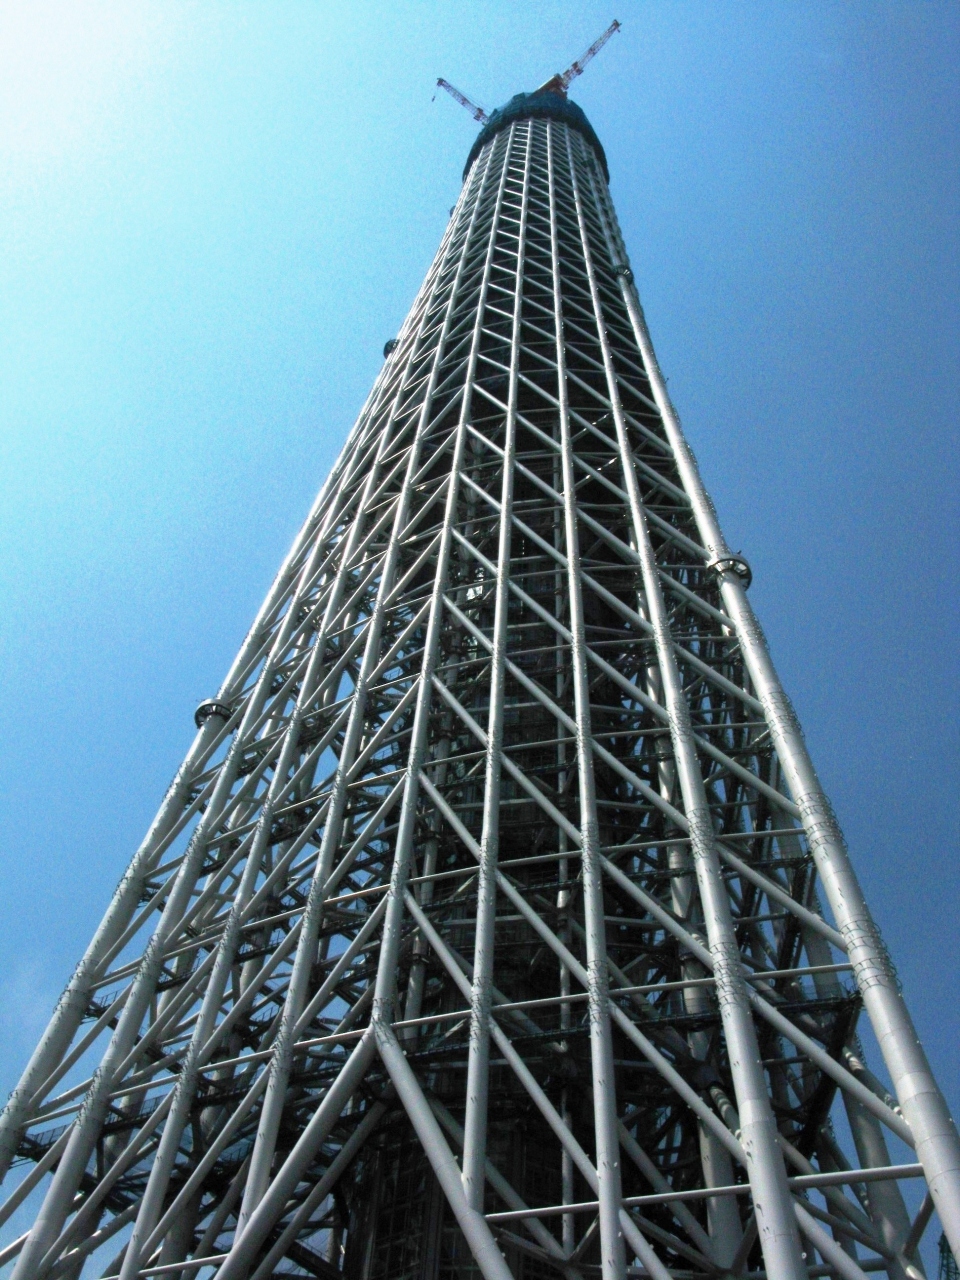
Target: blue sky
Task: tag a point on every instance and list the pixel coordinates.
(212, 216)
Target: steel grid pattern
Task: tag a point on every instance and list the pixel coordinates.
(496, 923)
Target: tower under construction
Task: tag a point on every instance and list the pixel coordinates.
(496, 923)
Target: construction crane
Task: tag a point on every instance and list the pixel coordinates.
(560, 82)
(556, 84)
(478, 113)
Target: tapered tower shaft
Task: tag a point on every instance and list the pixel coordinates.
(496, 923)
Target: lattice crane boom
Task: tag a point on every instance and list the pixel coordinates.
(576, 68)
(556, 84)
(478, 113)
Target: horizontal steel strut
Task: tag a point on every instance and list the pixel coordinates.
(496, 923)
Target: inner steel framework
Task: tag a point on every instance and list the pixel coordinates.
(496, 923)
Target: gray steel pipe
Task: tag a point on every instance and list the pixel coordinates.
(478, 1053)
(601, 1042)
(923, 1104)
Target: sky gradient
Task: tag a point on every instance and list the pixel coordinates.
(212, 216)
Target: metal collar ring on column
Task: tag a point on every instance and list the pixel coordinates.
(732, 564)
(211, 708)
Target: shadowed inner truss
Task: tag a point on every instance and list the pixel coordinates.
(484, 887)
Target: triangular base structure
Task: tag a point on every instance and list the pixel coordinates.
(496, 923)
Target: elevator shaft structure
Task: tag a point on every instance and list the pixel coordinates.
(496, 924)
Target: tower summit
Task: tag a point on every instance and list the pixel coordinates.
(496, 923)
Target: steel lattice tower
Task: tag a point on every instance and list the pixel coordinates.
(496, 923)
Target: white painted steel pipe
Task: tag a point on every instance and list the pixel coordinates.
(923, 1104)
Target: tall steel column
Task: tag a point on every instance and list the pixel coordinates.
(496, 923)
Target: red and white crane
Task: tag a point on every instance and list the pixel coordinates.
(556, 84)
(478, 113)
(560, 82)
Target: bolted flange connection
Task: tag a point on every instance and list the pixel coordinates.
(732, 564)
(211, 708)
(625, 272)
